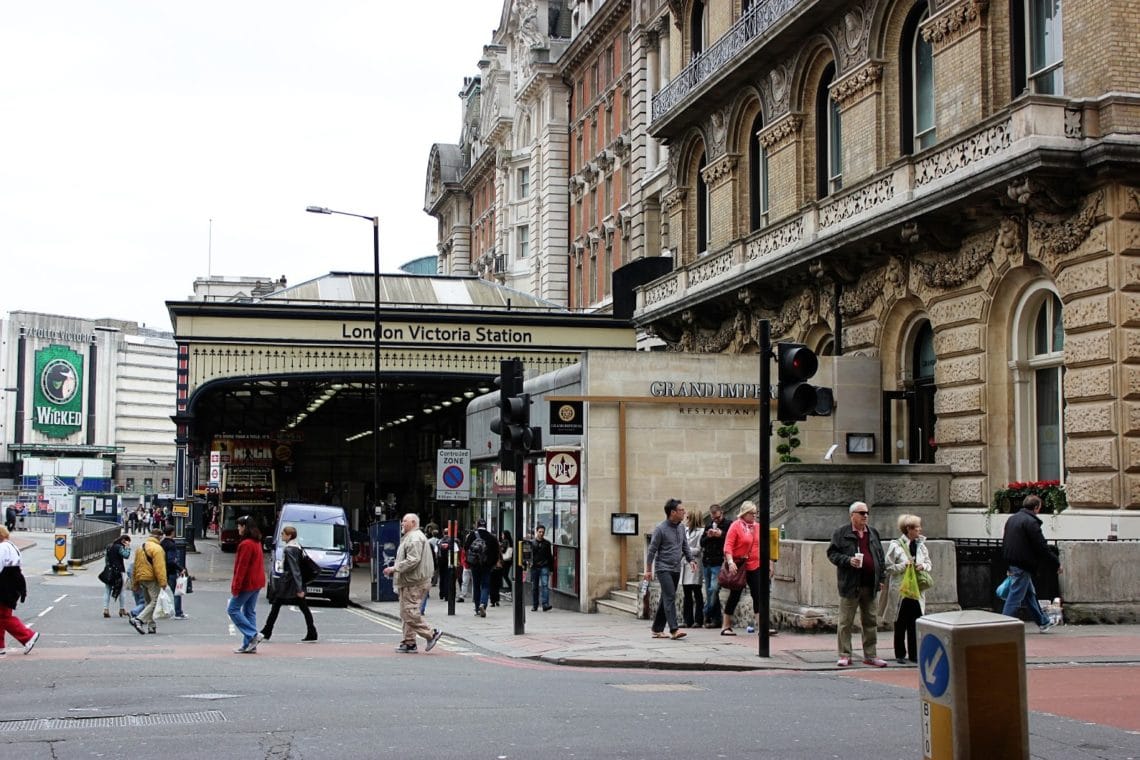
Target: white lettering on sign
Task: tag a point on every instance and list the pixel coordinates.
(45, 415)
(690, 389)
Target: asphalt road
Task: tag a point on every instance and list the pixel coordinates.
(94, 688)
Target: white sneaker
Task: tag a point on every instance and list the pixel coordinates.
(31, 642)
(1045, 627)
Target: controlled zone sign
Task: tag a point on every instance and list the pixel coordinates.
(453, 475)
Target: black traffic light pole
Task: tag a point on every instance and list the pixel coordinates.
(764, 613)
(515, 440)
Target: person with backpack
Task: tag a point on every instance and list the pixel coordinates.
(289, 587)
(482, 550)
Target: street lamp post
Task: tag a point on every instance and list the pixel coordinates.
(375, 340)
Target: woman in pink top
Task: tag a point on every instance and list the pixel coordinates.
(742, 545)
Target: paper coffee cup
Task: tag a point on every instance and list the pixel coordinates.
(858, 559)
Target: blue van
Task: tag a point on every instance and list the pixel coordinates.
(323, 531)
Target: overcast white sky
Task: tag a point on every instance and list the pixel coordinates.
(127, 125)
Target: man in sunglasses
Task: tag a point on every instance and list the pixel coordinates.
(856, 550)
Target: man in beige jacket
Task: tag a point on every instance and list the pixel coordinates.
(411, 574)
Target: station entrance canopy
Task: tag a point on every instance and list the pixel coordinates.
(296, 367)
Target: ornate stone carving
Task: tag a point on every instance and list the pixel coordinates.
(718, 133)
(1132, 200)
(1037, 195)
(857, 84)
(1062, 238)
(988, 142)
(662, 291)
(866, 198)
(858, 299)
(775, 239)
(778, 88)
(955, 23)
(720, 170)
(1074, 126)
(709, 267)
(852, 33)
(953, 271)
(773, 136)
(673, 199)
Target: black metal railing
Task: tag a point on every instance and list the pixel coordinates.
(759, 19)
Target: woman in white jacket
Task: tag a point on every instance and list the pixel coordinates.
(909, 547)
(691, 579)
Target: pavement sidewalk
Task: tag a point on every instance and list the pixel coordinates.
(613, 641)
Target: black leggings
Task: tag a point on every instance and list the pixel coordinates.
(909, 612)
(754, 581)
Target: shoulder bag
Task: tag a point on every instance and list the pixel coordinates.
(733, 581)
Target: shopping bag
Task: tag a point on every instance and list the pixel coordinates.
(1002, 590)
(908, 587)
(164, 607)
(925, 580)
(180, 585)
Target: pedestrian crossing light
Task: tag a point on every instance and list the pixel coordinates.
(796, 397)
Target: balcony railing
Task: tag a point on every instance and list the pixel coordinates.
(993, 143)
(758, 20)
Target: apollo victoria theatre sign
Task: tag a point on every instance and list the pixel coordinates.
(57, 402)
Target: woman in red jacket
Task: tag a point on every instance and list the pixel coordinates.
(742, 545)
(249, 579)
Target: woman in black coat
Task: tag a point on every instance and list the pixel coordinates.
(288, 588)
(112, 576)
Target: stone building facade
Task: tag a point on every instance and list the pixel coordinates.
(947, 185)
(500, 194)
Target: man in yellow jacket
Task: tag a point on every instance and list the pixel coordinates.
(150, 576)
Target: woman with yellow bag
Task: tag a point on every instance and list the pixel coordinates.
(908, 567)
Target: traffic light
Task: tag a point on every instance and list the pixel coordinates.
(513, 423)
(796, 397)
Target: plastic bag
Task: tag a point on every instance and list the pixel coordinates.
(908, 587)
(1002, 590)
(164, 607)
(180, 585)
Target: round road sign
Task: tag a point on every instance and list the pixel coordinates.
(453, 476)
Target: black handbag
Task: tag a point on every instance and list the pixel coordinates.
(107, 577)
(733, 581)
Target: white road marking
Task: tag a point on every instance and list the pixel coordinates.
(49, 609)
(60, 599)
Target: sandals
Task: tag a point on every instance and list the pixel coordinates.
(660, 635)
(728, 632)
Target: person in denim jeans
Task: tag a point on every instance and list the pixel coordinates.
(541, 558)
(712, 557)
(1025, 550)
(667, 550)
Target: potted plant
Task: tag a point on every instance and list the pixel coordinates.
(1009, 498)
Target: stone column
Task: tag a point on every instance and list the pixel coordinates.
(652, 65)
(783, 142)
(859, 94)
(962, 96)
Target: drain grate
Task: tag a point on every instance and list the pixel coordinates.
(113, 721)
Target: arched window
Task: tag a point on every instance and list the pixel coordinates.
(702, 209)
(916, 84)
(1038, 46)
(698, 28)
(757, 177)
(1039, 353)
(828, 138)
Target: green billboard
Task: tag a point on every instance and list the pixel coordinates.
(57, 404)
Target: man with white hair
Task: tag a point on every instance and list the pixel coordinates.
(411, 574)
(856, 550)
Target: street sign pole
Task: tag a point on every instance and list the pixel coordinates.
(517, 595)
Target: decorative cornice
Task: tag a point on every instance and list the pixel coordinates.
(955, 22)
(858, 84)
(775, 135)
(721, 169)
